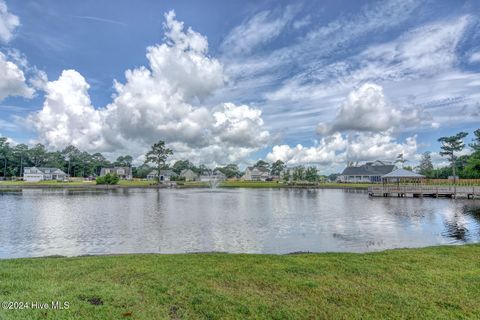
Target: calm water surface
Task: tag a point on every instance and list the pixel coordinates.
(65, 222)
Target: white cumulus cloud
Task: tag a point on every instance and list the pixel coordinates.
(12, 81)
(367, 109)
(8, 23)
(161, 101)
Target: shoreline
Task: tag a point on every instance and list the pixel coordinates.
(201, 253)
(20, 187)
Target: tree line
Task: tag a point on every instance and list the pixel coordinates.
(77, 163)
(463, 166)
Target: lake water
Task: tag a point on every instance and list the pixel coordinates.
(66, 222)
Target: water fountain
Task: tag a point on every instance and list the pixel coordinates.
(213, 181)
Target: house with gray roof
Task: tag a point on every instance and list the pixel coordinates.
(189, 175)
(370, 172)
(35, 174)
(165, 175)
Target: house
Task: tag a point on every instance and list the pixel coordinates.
(217, 175)
(370, 172)
(34, 174)
(124, 173)
(256, 174)
(189, 175)
(165, 175)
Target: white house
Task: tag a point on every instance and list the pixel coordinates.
(165, 175)
(189, 175)
(34, 174)
(217, 175)
(124, 173)
(370, 172)
(256, 174)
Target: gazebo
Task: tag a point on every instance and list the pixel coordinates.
(403, 176)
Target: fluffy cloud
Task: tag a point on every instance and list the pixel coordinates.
(8, 23)
(367, 109)
(12, 81)
(338, 148)
(161, 101)
(363, 129)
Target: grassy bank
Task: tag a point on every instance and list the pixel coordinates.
(275, 184)
(433, 283)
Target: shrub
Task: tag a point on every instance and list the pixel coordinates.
(107, 179)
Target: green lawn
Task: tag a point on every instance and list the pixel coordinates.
(430, 283)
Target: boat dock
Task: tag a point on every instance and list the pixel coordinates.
(420, 191)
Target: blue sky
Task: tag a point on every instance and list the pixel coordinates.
(307, 82)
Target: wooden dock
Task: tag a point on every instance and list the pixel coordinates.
(419, 191)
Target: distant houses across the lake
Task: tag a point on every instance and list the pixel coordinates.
(36, 174)
(370, 172)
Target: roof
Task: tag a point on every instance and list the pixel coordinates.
(47, 170)
(162, 172)
(261, 169)
(368, 170)
(402, 173)
(187, 171)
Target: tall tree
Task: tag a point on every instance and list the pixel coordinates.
(158, 155)
(451, 145)
(38, 154)
(5, 153)
(426, 167)
(277, 167)
(71, 156)
(20, 152)
(475, 145)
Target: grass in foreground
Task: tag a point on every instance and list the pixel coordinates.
(434, 283)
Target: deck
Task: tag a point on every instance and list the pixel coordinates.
(419, 191)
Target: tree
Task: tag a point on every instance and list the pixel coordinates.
(181, 165)
(451, 145)
(475, 145)
(38, 154)
(311, 174)
(71, 154)
(20, 153)
(124, 161)
(98, 161)
(286, 175)
(277, 168)
(298, 173)
(5, 153)
(141, 171)
(158, 156)
(230, 170)
(426, 167)
(263, 164)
